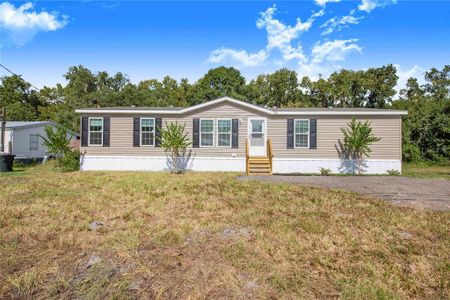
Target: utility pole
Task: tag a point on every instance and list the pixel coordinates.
(3, 118)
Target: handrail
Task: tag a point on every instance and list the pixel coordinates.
(247, 158)
(270, 153)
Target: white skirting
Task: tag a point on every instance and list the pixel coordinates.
(226, 164)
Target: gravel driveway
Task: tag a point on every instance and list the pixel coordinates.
(404, 191)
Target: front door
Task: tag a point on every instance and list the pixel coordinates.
(257, 128)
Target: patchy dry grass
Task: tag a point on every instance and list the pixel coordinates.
(204, 235)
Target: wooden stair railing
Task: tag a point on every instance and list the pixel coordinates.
(259, 165)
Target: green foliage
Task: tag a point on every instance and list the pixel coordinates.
(426, 129)
(393, 172)
(56, 141)
(175, 142)
(70, 161)
(58, 146)
(356, 143)
(325, 171)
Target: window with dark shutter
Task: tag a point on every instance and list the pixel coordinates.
(195, 133)
(84, 131)
(106, 131)
(136, 132)
(290, 133)
(158, 122)
(235, 134)
(313, 134)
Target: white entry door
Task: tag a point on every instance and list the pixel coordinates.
(257, 128)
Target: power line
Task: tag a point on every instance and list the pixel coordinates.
(18, 76)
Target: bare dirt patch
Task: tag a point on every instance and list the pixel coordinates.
(403, 191)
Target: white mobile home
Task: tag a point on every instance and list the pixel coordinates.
(23, 139)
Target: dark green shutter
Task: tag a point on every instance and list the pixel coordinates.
(313, 134)
(195, 133)
(136, 132)
(84, 131)
(158, 122)
(290, 133)
(106, 131)
(235, 133)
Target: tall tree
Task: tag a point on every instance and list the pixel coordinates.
(219, 82)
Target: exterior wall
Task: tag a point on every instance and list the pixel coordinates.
(21, 142)
(388, 128)
(7, 140)
(121, 140)
(385, 152)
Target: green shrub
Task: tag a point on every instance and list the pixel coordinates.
(411, 153)
(70, 161)
(325, 171)
(393, 172)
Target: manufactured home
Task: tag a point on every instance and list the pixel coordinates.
(24, 139)
(232, 135)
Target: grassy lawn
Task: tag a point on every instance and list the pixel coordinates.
(206, 235)
(426, 171)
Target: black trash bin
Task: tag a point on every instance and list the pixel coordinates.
(6, 162)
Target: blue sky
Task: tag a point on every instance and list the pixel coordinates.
(149, 39)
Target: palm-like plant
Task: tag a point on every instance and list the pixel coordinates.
(357, 139)
(175, 142)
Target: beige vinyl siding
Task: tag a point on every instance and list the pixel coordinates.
(121, 140)
(388, 128)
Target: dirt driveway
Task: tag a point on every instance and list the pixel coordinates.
(404, 191)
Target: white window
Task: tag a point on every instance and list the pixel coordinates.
(147, 131)
(206, 133)
(34, 142)
(95, 131)
(301, 128)
(224, 133)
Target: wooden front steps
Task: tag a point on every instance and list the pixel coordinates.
(259, 166)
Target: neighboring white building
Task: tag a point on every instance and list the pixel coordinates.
(23, 138)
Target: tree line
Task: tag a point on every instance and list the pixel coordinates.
(426, 129)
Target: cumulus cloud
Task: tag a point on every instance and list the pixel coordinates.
(241, 56)
(339, 23)
(322, 59)
(279, 37)
(404, 75)
(324, 2)
(21, 24)
(369, 5)
(333, 51)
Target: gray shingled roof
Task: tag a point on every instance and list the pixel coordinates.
(137, 108)
(17, 124)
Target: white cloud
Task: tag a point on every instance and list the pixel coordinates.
(324, 2)
(279, 37)
(333, 51)
(404, 75)
(20, 25)
(339, 23)
(369, 5)
(241, 56)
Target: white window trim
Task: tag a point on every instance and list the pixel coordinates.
(295, 134)
(200, 132)
(37, 143)
(89, 132)
(231, 132)
(140, 132)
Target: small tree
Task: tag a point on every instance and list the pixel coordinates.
(58, 146)
(175, 142)
(57, 141)
(358, 137)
